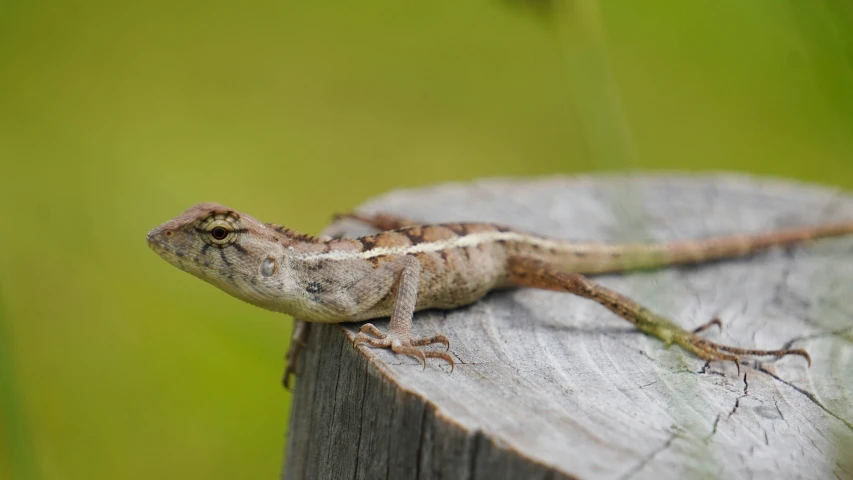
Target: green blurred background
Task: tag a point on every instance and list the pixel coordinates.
(115, 116)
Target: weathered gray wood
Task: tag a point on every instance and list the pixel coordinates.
(552, 386)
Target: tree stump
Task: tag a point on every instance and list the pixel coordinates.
(549, 385)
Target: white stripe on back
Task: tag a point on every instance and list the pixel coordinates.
(470, 240)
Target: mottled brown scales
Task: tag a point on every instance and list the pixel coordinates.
(391, 238)
(414, 234)
(378, 260)
(409, 267)
(367, 243)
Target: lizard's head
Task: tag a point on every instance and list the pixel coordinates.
(226, 248)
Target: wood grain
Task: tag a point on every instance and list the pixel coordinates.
(548, 385)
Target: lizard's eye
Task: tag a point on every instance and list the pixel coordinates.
(219, 233)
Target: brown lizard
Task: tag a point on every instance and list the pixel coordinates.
(408, 267)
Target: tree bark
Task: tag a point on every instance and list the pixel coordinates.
(549, 385)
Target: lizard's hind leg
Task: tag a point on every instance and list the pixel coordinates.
(532, 272)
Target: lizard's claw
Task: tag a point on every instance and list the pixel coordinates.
(368, 328)
(405, 345)
(289, 373)
(708, 350)
(292, 360)
(716, 321)
(431, 340)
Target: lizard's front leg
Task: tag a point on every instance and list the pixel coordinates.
(532, 272)
(399, 337)
(297, 342)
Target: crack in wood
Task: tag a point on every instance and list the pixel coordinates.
(634, 471)
(808, 395)
(832, 333)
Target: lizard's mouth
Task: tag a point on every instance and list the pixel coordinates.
(152, 239)
(155, 243)
(176, 257)
(160, 241)
(163, 241)
(166, 250)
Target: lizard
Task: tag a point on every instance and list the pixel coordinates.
(408, 267)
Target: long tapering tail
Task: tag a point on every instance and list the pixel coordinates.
(579, 257)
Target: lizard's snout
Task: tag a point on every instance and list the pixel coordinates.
(158, 236)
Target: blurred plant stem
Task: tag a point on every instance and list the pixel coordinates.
(594, 91)
(14, 440)
(579, 30)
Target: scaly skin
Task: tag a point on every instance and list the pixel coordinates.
(407, 268)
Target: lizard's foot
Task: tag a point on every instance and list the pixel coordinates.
(404, 344)
(298, 342)
(289, 370)
(709, 350)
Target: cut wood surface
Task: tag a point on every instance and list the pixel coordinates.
(549, 385)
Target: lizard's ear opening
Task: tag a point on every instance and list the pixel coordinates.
(268, 267)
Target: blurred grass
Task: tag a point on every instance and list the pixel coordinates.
(14, 441)
(117, 116)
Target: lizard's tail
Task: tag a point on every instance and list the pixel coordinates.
(590, 258)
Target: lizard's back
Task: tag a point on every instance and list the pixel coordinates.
(460, 262)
